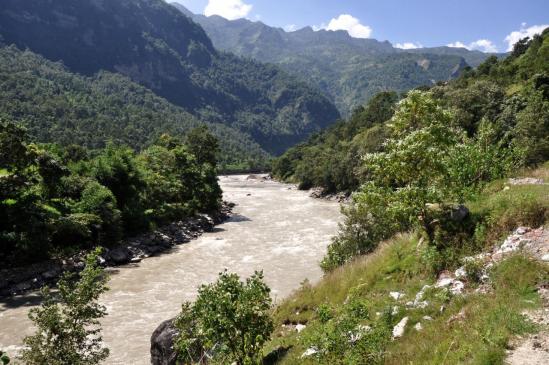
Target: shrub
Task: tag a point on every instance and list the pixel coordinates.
(68, 329)
(230, 321)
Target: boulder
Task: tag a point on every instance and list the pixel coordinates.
(398, 330)
(162, 344)
(459, 213)
(119, 256)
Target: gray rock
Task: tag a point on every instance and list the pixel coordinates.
(162, 341)
(52, 273)
(119, 256)
(459, 213)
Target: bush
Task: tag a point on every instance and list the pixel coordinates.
(230, 321)
(68, 330)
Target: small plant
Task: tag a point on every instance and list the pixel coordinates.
(474, 270)
(68, 329)
(324, 312)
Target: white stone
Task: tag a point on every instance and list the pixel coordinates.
(444, 282)
(460, 273)
(310, 351)
(300, 327)
(418, 326)
(545, 257)
(457, 287)
(427, 318)
(522, 230)
(398, 330)
(396, 295)
(395, 310)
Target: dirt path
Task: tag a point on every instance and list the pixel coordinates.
(534, 349)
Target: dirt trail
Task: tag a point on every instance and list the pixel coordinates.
(534, 349)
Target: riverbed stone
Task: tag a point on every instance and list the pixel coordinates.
(162, 344)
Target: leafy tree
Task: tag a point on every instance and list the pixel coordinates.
(203, 145)
(427, 165)
(117, 169)
(230, 321)
(68, 329)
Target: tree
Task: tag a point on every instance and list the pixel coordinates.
(230, 321)
(426, 167)
(203, 145)
(68, 329)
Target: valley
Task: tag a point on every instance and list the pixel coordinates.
(274, 228)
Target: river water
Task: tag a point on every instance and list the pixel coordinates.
(276, 229)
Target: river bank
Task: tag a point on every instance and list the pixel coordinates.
(32, 277)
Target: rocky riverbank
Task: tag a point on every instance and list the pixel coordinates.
(19, 280)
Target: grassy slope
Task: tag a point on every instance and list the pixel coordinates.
(491, 320)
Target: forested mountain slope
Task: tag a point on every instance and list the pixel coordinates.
(66, 108)
(349, 70)
(155, 45)
(511, 95)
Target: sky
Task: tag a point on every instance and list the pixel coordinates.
(486, 25)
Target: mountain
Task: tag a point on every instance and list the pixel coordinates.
(66, 108)
(155, 45)
(349, 70)
(472, 57)
(509, 95)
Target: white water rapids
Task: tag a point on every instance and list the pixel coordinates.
(280, 231)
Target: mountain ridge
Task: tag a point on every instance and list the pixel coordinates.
(154, 45)
(349, 70)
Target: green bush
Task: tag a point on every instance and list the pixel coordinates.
(68, 329)
(230, 321)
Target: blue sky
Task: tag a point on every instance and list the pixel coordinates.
(488, 25)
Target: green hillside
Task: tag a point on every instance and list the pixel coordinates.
(158, 47)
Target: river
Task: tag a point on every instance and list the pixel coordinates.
(275, 228)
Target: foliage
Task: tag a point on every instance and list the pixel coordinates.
(332, 159)
(58, 106)
(425, 167)
(503, 104)
(345, 339)
(229, 321)
(4, 358)
(49, 207)
(68, 329)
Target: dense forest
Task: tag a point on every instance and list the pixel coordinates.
(58, 106)
(155, 45)
(349, 70)
(55, 199)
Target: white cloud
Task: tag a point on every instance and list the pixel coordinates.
(351, 24)
(524, 32)
(457, 44)
(409, 45)
(290, 28)
(229, 9)
(483, 45)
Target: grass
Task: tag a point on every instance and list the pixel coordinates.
(3, 172)
(489, 323)
(486, 322)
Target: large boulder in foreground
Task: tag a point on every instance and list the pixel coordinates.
(162, 344)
